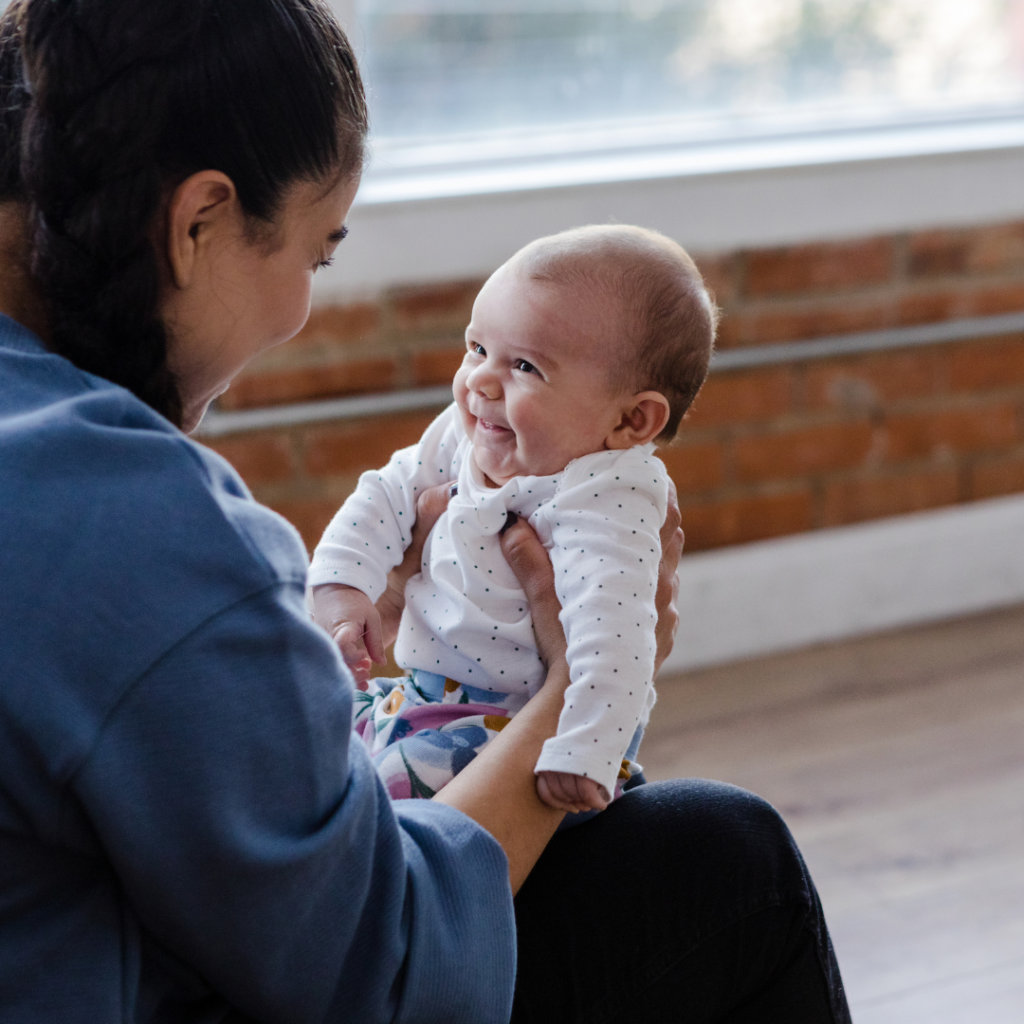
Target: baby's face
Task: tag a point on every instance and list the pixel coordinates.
(535, 386)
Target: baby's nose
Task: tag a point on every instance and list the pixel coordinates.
(483, 381)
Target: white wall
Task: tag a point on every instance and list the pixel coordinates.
(403, 234)
(772, 596)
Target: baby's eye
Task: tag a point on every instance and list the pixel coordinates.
(522, 364)
(477, 350)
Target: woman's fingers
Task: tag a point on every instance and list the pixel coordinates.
(668, 579)
(430, 507)
(532, 567)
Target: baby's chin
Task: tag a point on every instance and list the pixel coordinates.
(497, 470)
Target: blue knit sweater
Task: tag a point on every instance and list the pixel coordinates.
(186, 832)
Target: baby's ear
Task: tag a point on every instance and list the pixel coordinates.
(643, 419)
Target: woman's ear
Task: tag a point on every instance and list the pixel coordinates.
(202, 206)
(642, 421)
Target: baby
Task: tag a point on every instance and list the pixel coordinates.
(583, 350)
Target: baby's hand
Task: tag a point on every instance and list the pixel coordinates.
(353, 623)
(573, 793)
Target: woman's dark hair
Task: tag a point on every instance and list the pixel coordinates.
(13, 104)
(123, 100)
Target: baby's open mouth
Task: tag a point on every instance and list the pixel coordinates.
(495, 427)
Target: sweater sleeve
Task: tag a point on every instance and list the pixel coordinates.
(367, 537)
(257, 846)
(605, 529)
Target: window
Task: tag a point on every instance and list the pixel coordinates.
(440, 69)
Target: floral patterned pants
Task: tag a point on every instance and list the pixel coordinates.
(421, 730)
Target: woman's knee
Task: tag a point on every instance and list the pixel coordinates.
(722, 828)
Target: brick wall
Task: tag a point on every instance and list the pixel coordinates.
(763, 453)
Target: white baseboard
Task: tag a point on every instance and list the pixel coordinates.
(783, 594)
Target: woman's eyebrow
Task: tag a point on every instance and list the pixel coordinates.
(337, 236)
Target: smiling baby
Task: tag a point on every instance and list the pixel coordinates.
(583, 350)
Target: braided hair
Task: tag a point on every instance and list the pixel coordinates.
(128, 98)
(13, 104)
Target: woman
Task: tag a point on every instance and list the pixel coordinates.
(186, 833)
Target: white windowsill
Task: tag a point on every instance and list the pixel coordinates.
(640, 150)
(458, 208)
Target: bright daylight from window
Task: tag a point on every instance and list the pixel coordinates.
(444, 67)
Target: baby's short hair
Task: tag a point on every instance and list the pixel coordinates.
(669, 317)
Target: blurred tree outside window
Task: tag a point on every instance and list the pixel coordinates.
(442, 68)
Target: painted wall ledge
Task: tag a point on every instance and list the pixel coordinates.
(219, 424)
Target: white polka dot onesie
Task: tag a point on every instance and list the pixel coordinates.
(466, 617)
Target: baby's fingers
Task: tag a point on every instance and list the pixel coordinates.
(552, 789)
(349, 638)
(373, 636)
(547, 792)
(588, 792)
(361, 672)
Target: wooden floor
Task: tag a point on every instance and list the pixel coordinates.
(898, 762)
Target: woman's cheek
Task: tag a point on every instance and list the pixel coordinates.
(290, 311)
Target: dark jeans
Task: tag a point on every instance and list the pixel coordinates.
(685, 901)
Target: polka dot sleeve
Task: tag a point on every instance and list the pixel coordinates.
(368, 536)
(605, 523)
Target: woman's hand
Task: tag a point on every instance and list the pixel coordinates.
(532, 567)
(430, 506)
(498, 790)
(668, 579)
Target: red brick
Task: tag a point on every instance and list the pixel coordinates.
(693, 467)
(436, 367)
(992, 249)
(742, 397)
(852, 501)
(343, 325)
(794, 453)
(721, 276)
(748, 518)
(871, 381)
(998, 247)
(433, 307)
(262, 458)
(306, 383)
(764, 327)
(988, 366)
(991, 301)
(946, 432)
(928, 307)
(991, 479)
(366, 444)
(821, 267)
(309, 516)
(938, 253)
